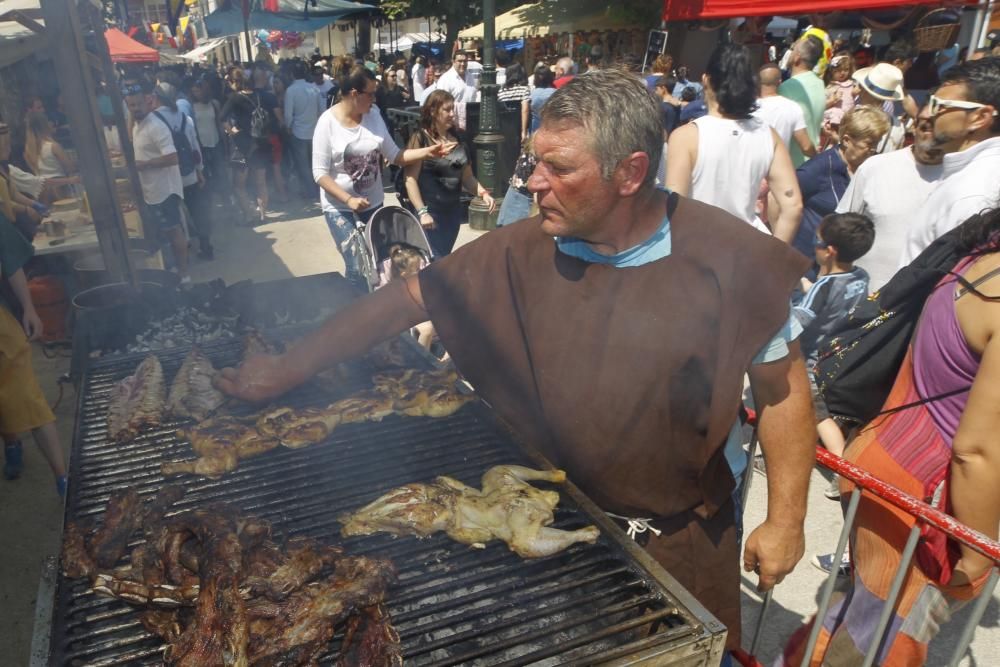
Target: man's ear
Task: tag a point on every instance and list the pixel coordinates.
(631, 172)
(982, 118)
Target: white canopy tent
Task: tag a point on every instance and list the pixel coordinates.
(18, 41)
(201, 52)
(406, 42)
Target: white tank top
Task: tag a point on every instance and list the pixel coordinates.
(48, 163)
(734, 156)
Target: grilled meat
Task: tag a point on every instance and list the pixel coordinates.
(192, 394)
(121, 518)
(298, 630)
(214, 586)
(365, 407)
(298, 428)
(371, 641)
(137, 401)
(306, 559)
(220, 443)
(165, 623)
(76, 560)
(507, 508)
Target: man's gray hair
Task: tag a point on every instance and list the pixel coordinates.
(618, 114)
(567, 65)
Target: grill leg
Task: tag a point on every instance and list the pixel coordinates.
(977, 614)
(748, 473)
(760, 621)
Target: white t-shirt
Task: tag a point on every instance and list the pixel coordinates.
(782, 114)
(418, 75)
(152, 139)
(205, 120)
(353, 157)
(174, 118)
(891, 190)
(734, 156)
(455, 85)
(970, 183)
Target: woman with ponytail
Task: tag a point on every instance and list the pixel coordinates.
(722, 157)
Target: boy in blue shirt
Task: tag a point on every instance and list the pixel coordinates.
(841, 239)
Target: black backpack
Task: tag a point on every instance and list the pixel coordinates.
(858, 364)
(185, 152)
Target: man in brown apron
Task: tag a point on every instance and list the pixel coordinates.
(613, 332)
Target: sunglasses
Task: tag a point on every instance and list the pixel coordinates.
(131, 89)
(938, 106)
(820, 244)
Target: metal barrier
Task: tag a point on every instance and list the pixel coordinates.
(924, 514)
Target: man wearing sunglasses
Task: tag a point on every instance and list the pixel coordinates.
(891, 189)
(965, 112)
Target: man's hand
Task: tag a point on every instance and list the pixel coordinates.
(32, 324)
(441, 149)
(255, 380)
(772, 551)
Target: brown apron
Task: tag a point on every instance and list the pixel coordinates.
(628, 378)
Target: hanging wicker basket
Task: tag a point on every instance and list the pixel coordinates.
(936, 30)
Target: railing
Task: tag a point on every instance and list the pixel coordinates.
(924, 514)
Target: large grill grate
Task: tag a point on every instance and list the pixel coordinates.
(451, 605)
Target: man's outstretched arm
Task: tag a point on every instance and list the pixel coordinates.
(347, 334)
(787, 432)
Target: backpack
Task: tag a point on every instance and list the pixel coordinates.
(857, 365)
(260, 120)
(185, 152)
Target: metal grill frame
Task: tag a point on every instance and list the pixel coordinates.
(699, 640)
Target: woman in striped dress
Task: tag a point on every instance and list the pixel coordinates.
(944, 450)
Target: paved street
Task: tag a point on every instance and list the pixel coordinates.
(298, 243)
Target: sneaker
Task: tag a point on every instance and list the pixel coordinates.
(13, 460)
(824, 562)
(833, 491)
(61, 484)
(759, 465)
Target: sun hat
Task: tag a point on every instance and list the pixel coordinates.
(883, 81)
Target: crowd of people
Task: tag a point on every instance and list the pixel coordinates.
(754, 207)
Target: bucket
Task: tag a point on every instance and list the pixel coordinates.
(52, 306)
(113, 315)
(90, 271)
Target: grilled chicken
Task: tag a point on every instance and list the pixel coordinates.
(298, 428)
(137, 401)
(192, 394)
(220, 444)
(507, 508)
(371, 641)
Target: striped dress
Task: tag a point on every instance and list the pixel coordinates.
(910, 449)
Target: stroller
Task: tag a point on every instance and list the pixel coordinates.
(388, 226)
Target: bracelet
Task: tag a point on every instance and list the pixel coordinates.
(422, 211)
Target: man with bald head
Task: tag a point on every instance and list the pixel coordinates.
(782, 114)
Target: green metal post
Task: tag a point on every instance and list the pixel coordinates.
(489, 138)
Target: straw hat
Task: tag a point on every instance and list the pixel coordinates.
(883, 81)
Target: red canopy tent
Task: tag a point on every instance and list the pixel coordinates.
(692, 10)
(124, 49)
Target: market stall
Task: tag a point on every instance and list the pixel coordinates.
(564, 27)
(124, 49)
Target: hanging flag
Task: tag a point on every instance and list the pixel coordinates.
(174, 9)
